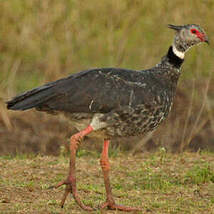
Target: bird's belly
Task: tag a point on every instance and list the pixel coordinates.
(135, 127)
(135, 122)
(122, 122)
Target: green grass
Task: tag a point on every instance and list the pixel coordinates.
(181, 184)
(199, 174)
(42, 41)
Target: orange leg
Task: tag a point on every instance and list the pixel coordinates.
(110, 203)
(70, 182)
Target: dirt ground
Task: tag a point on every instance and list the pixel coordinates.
(159, 183)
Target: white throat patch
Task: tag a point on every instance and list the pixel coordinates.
(177, 52)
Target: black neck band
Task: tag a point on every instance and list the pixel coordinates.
(173, 59)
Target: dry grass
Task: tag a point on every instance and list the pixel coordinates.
(159, 183)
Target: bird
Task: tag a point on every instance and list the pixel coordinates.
(113, 102)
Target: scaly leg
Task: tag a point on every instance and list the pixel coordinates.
(70, 182)
(110, 203)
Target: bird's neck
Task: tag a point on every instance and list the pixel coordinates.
(170, 64)
(174, 57)
(177, 52)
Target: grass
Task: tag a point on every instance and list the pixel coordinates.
(179, 183)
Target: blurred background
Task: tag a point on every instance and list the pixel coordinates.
(42, 41)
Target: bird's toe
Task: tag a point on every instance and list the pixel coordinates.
(113, 206)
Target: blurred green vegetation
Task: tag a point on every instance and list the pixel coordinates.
(42, 41)
(45, 40)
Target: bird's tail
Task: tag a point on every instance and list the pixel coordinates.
(32, 98)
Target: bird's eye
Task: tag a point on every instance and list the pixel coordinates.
(194, 31)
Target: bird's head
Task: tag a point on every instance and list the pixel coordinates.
(187, 36)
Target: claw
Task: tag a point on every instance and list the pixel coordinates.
(112, 206)
(68, 189)
(51, 187)
(61, 183)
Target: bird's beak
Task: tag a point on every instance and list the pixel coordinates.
(203, 37)
(206, 39)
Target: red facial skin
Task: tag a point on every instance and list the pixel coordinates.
(201, 36)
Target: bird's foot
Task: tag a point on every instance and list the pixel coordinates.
(112, 206)
(73, 191)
